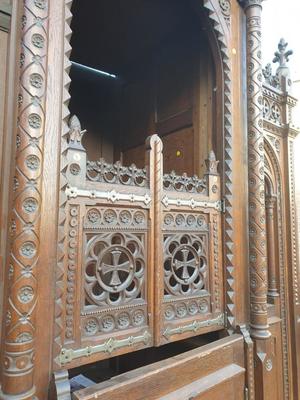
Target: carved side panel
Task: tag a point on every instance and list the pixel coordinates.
(22, 281)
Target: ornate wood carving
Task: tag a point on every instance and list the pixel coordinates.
(191, 264)
(257, 220)
(100, 171)
(184, 183)
(275, 172)
(225, 6)
(19, 349)
(62, 221)
(228, 234)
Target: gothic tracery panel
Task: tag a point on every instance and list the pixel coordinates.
(185, 264)
(114, 268)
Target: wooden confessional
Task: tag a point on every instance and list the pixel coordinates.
(144, 236)
(147, 204)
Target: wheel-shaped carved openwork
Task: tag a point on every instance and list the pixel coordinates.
(185, 264)
(114, 268)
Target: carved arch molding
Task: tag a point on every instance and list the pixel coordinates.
(122, 258)
(273, 171)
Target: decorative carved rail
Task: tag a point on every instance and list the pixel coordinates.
(101, 171)
(184, 183)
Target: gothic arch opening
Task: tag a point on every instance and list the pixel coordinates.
(138, 68)
(158, 76)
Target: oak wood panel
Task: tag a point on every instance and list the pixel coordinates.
(160, 379)
(228, 382)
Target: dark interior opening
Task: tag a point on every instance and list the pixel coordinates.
(161, 80)
(164, 81)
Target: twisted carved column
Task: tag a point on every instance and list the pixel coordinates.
(272, 281)
(257, 222)
(23, 258)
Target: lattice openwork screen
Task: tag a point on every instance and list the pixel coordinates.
(143, 255)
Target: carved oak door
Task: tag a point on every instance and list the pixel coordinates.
(189, 295)
(143, 255)
(108, 298)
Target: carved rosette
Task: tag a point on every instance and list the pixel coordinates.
(18, 346)
(257, 222)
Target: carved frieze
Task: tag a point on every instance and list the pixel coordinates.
(115, 218)
(185, 221)
(178, 309)
(112, 321)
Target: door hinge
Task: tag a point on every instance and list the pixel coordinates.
(223, 206)
(246, 393)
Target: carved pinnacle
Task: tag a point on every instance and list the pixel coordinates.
(282, 56)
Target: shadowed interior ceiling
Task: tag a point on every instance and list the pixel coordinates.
(112, 35)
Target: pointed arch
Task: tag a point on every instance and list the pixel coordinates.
(273, 175)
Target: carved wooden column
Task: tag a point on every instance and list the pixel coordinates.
(265, 382)
(272, 280)
(18, 360)
(257, 223)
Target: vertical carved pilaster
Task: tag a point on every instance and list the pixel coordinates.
(19, 338)
(257, 223)
(272, 279)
